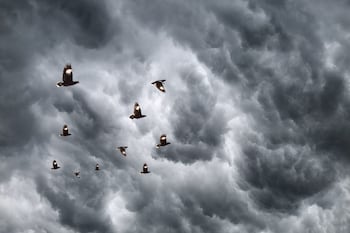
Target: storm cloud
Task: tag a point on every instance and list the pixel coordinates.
(256, 109)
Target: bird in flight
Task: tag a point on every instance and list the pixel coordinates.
(65, 131)
(77, 174)
(122, 149)
(137, 112)
(145, 169)
(159, 85)
(55, 165)
(67, 77)
(163, 141)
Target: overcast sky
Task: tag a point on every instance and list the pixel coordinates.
(256, 109)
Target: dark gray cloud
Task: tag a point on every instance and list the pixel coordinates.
(83, 212)
(269, 29)
(198, 124)
(256, 111)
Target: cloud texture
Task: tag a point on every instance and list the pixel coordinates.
(256, 110)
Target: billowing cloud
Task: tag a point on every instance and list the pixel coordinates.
(256, 111)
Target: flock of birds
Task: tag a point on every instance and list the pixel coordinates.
(67, 80)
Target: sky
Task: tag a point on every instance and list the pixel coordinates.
(256, 109)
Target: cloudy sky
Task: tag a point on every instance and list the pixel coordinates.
(257, 111)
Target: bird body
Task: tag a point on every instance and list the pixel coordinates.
(122, 150)
(159, 85)
(163, 141)
(137, 112)
(67, 77)
(65, 131)
(77, 174)
(55, 165)
(145, 169)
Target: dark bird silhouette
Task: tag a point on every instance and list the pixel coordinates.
(67, 77)
(137, 112)
(122, 149)
(97, 168)
(55, 165)
(65, 131)
(145, 169)
(163, 141)
(77, 174)
(159, 85)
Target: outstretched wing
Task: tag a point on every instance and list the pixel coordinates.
(67, 74)
(159, 81)
(137, 110)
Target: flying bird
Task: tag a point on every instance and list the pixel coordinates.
(77, 174)
(65, 131)
(159, 85)
(163, 141)
(67, 77)
(97, 168)
(55, 165)
(145, 169)
(122, 149)
(137, 112)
